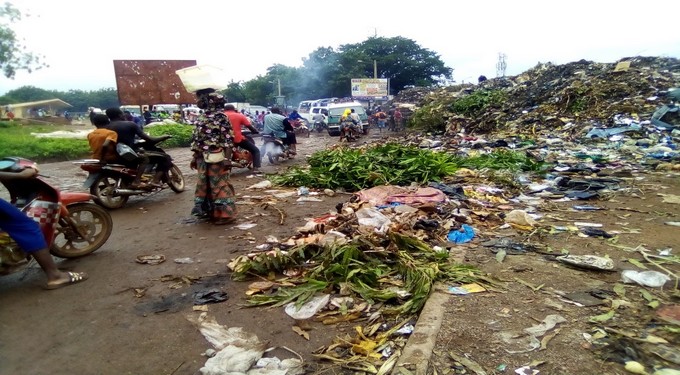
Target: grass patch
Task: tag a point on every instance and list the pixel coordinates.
(16, 140)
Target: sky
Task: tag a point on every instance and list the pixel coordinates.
(79, 40)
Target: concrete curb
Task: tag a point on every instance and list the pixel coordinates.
(415, 358)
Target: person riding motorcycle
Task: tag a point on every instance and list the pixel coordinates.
(238, 122)
(278, 125)
(319, 121)
(127, 130)
(347, 124)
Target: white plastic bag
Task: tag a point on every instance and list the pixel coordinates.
(310, 308)
(652, 279)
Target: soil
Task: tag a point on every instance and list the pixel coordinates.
(127, 320)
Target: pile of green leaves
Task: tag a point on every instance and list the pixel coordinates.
(478, 101)
(392, 164)
(181, 134)
(402, 275)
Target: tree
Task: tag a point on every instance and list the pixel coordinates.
(399, 59)
(13, 55)
(235, 93)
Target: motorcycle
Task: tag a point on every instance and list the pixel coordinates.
(349, 131)
(240, 157)
(320, 126)
(111, 184)
(300, 127)
(71, 224)
(275, 149)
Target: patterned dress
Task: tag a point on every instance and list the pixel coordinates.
(214, 193)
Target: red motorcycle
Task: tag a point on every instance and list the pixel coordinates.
(72, 225)
(240, 157)
(300, 127)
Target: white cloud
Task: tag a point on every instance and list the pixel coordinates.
(80, 40)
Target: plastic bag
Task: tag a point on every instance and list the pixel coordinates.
(465, 234)
(126, 152)
(652, 279)
(213, 157)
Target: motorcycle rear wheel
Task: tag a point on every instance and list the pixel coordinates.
(90, 219)
(102, 189)
(176, 179)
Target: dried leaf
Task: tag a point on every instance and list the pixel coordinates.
(301, 332)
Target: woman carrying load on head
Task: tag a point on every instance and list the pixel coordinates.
(214, 194)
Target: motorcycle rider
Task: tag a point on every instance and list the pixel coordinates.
(238, 122)
(319, 119)
(278, 125)
(127, 130)
(28, 235)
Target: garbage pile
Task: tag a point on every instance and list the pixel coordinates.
(570, 98)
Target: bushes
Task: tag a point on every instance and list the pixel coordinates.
(16, 140)
(181, 134)
(435, 115)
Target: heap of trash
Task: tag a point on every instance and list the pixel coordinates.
(568, 99)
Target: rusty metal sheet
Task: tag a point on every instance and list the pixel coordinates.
(142, 82)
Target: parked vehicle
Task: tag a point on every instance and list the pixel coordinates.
(335, 112)
(110, 184)
(73, 226)
(275, 150)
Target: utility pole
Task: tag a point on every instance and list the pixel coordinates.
(501, 65)
(375, 69)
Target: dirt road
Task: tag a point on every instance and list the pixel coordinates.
(101, 327)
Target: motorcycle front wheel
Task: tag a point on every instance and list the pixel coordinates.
(176, 179)
(103, 191)
(93, 222)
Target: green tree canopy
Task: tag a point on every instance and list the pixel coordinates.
(13, 55)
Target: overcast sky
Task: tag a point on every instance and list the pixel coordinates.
(80, 39)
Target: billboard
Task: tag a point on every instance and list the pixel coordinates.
(369, 88)
(151, 82)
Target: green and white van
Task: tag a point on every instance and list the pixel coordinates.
(335, 111)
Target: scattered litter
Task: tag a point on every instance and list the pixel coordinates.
(466, 289)
(209, 296)
(592, 262)
(546, 325)
(183, 260)
(150, 259)
(309, 199)
(521, 218)
(595, 232)
(261, 185)
(308, 309)
(526, 370)
(463, 235)
(652, 279)
(245, 226)
(406, 330)
(673, 223)
(302, 191)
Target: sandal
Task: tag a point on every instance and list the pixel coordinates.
(73, 278)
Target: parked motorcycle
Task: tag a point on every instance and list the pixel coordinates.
(110, 184)
(275, 149)
(72, 225)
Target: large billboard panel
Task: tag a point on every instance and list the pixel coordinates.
(369, 88)
(151, 82)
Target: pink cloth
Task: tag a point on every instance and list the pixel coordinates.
(383, 195)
